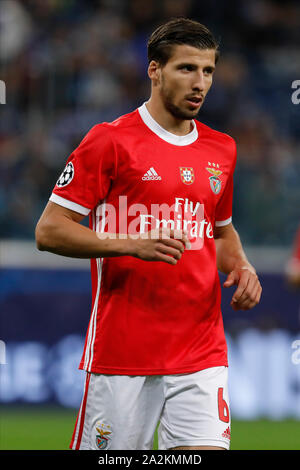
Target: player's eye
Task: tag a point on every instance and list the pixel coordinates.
(187, 67)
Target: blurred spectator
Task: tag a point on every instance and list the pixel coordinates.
(69, 64)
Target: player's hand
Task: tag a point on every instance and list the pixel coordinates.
(161, 245)
(293, 272)
(249, 289)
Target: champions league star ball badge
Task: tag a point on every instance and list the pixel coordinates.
(66, 176)
(187, 175)
(215, 182)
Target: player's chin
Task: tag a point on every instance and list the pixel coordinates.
(188, 114)
(192, 111)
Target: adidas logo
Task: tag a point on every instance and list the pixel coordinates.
(151, 175)
(226, 433)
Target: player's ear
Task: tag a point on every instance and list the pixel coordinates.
(154, 71)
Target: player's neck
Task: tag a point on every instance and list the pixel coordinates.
(166, 120)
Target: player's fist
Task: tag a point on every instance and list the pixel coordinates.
(161, 245)
(248, 292)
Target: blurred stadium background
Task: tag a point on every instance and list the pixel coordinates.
(68, 64)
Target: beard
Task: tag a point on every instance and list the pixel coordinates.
(168, 98)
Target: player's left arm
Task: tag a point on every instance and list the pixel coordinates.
(232, 260)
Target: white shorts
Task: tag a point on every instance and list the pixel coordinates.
(120, 412)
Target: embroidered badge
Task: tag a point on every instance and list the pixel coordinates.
(187, 175)
(214, 180)
(66, 176)
(102, 436)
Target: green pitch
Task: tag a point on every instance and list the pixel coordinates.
(51, 428)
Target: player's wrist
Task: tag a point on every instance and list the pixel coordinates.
(129, 246)
(245, 265)
(115, 244)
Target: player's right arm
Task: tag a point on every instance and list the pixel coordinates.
(86, 180)
(59, 231)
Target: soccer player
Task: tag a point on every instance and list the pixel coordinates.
(157, 186)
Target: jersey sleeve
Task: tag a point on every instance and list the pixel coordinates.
(223, 214)
(88, 173)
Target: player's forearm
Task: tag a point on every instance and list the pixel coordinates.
(65, 237)
(230, 253)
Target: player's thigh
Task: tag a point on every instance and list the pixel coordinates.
(118, 412)
(196, 411)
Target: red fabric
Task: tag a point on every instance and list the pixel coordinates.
(151, 317)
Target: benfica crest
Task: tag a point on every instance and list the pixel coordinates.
(214, 180)
(187, 175)
(101, 438)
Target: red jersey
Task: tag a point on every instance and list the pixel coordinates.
(131, 175)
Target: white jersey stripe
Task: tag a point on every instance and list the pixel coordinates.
(99, 262)
(91, 331)
(99, 270)
(89, 334)
(221, 223)
(61, 201)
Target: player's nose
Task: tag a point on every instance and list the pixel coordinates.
(199, 83)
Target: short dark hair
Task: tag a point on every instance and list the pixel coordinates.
(179, 31)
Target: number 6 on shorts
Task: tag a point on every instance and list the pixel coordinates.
(223, 407)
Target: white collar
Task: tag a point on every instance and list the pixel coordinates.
(166, 135)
